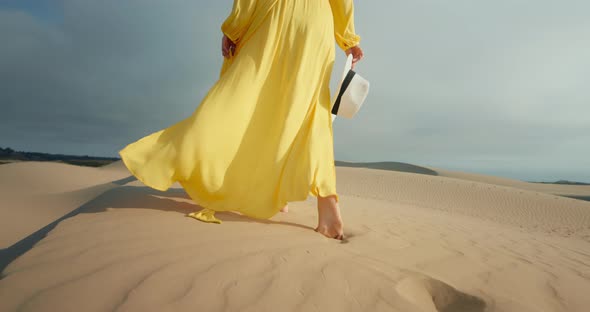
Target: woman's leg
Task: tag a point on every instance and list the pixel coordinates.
(329, 219)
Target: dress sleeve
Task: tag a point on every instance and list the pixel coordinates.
(238, 21)
(343, 13)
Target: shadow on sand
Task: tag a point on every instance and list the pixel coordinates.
(128, 197)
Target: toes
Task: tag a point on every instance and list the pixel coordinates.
(329, 234)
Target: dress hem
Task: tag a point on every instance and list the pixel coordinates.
(314, 191)
(139, 177)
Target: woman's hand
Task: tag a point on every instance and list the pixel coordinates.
(357, 54)
(227, 46)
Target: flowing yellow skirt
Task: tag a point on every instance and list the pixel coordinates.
(262, 136)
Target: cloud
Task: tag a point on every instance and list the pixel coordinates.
(456, 82)
(110, 72)
(495, 87)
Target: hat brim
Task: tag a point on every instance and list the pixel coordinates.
(347, 67)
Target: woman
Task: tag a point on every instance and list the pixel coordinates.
(262, 136)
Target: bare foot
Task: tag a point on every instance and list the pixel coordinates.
(286, 208)
(329, 219)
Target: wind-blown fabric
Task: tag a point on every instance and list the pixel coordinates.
(262, 136)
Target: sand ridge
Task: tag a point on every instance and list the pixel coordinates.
(414, 242)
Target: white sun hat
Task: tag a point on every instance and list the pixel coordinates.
(350, 94)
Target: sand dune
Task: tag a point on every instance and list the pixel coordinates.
(575, 191)
(557, 189)
(415, 242)
(37, 193)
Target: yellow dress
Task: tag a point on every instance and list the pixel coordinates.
(262, 136)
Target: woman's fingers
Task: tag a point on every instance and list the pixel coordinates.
(229, 50)
(227, 46)
(357, 54)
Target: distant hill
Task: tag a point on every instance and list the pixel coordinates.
(388, 165)
(566, 182)
(405, 167)
(8, 155)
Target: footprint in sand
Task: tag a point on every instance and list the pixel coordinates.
(432, 295)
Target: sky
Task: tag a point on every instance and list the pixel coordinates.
(493, 87)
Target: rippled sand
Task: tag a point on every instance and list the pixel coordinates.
(428, 240)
